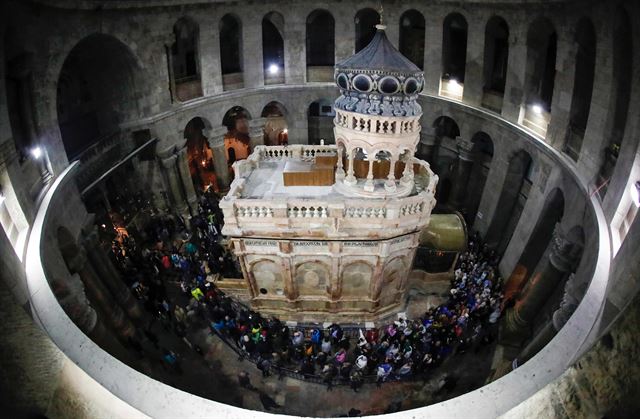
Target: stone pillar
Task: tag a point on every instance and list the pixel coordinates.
(252, 66)
(71, 295)
(256, 131)
(542, 284)
(109, 275)
(101, 295)
(350, 179)
(339, 165)
(184, 175)
(433, 53)
(168, 166)
(345, 34)
(427, 144)
(295, 51)
(516, 71)
(463, 171)
(368, 185)
(209, 54)
(390, 184)
(407, 173)
(220, 165)
(473, 78)
(560, 317)
(562, 90)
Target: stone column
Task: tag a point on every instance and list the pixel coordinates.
(560, 317)
(427, 144)
(168, 165)
(473, 78)
(516, 70)
(209, 54)
(109, 275)
(562, 90)
(256, 131)
(542, 284)
(345, 33)
(390, 183)
(433, 52)
(368, 185)
(463, 171)
(220, 165)
(295, 51)
(172, 80)
(101, 295)
(350, 179)
(407, 173)
(184, 175)
(252, 66)
(339, 165)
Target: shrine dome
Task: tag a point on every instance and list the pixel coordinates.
(379, 80)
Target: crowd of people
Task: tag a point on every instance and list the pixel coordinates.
(194, 260)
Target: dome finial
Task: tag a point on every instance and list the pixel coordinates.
(381, 26)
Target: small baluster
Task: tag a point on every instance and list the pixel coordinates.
(316, 212)
(323, 212)
(307, 212)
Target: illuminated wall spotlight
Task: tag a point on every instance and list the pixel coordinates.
(537, 109)
(36, 152)
(274, 69)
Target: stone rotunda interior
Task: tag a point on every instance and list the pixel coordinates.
(237, 209)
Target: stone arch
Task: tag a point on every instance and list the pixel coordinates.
(446, 126)
(511, 201)
(237, 141)
(275, 126)
(185, 60)
(320, 40)
(365, 26)
(585, 64)
(392, 270)
(454, 47)
(99, 87)
(273, 25)
(496, 59)
(355, 278)
(320, 116)
(313, 278)
(231, 51)
(268, 276)
(412, 36)
(199, 152)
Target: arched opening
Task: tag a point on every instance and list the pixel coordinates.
(511, 202)
(496, 58)
(200, 154)
(275, 126)
(273, 48)
(185, 60)
(483, 156)
(454, 55)
(412, 28)
(237, 143)
(231, 52)
(585, 39)
(366, 21)
(99, 88)
(540, 74)
(320, 122)
(320, 46)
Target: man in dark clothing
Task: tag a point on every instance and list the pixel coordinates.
(245, 381)
(268, 402)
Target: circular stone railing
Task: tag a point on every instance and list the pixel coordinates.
(159, 400)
